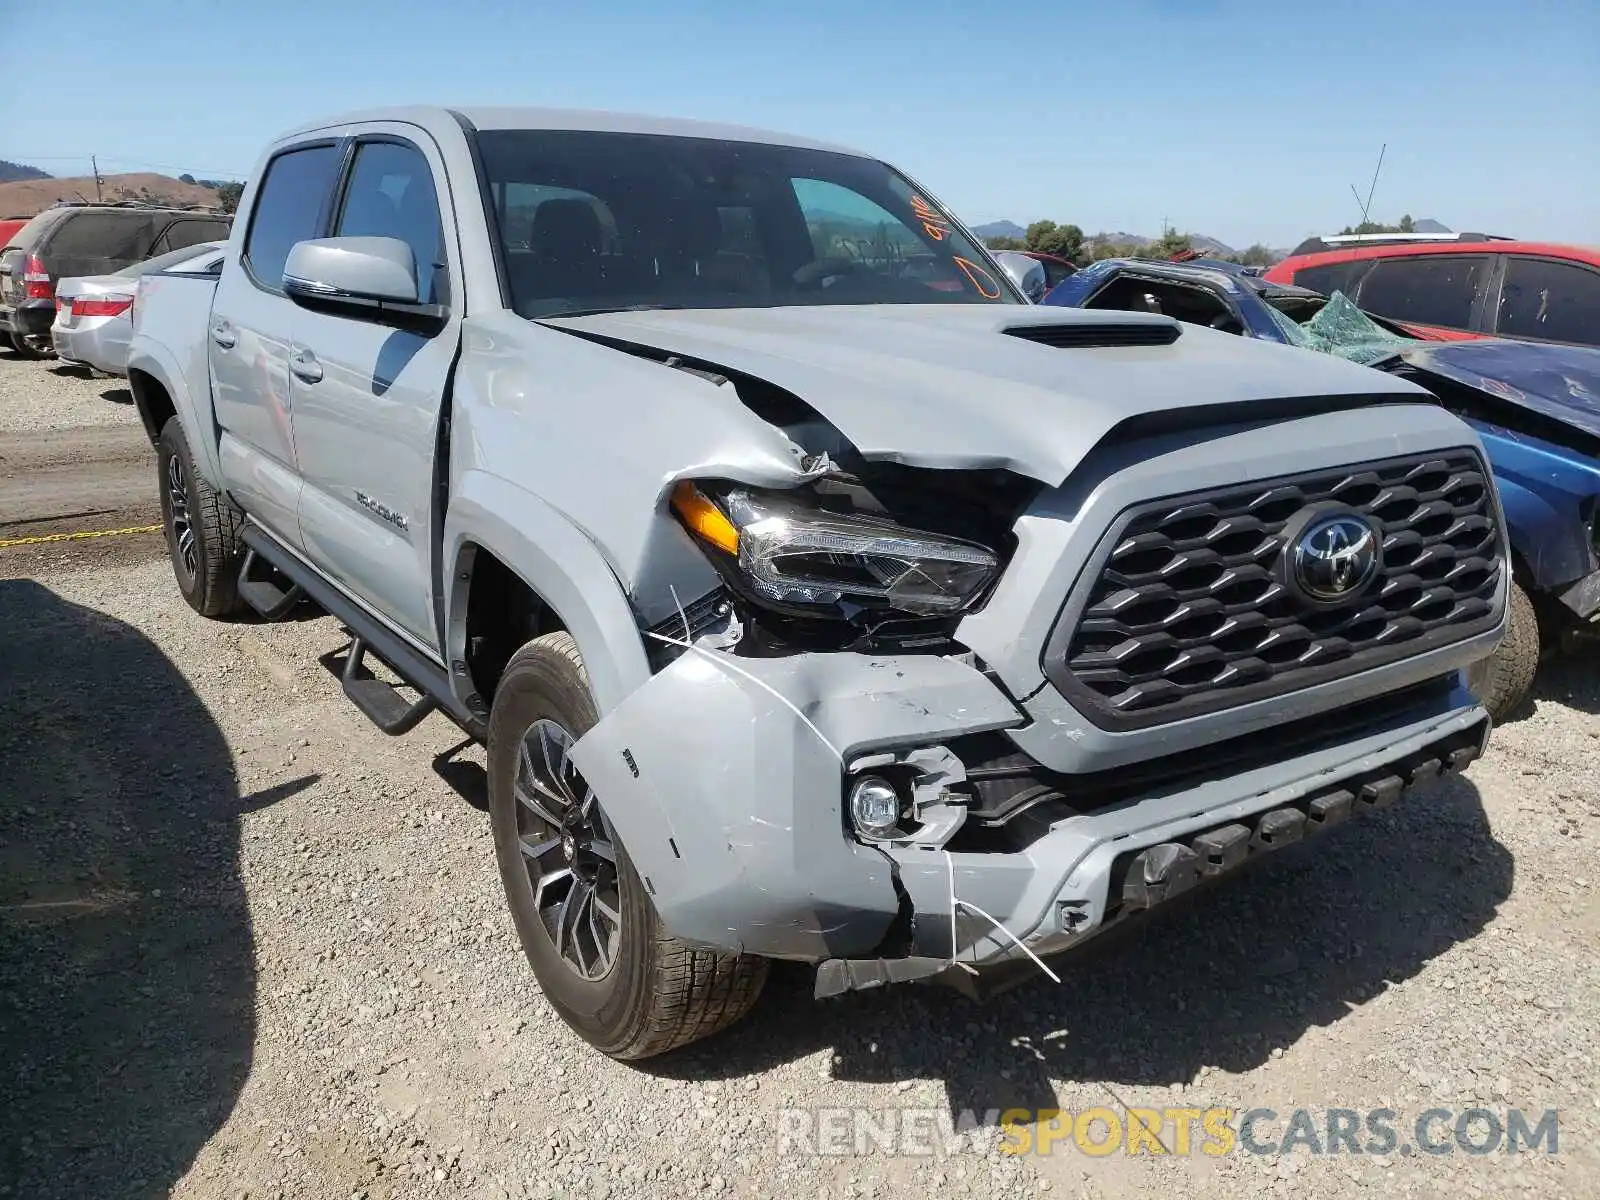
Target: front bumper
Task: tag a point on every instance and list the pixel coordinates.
(725, 778)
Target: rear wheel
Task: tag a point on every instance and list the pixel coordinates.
(26, 349)
(1503, 680)
(582, 913)
(203, 530)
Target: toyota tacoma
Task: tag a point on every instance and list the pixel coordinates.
(816, 597)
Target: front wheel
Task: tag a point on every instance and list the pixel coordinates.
(582, 914)
(203, 530)
(1503, 680)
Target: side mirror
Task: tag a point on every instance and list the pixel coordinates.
(1027, 273)
(362, 277)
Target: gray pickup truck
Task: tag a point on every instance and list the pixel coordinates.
(817, 598)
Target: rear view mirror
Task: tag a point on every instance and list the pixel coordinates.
(370, 277)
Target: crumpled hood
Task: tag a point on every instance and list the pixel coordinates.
(1560, 382)
(943, 386)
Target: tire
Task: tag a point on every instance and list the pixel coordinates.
(657, 993)
(205, 563)
(23, 348)
(1503, 680)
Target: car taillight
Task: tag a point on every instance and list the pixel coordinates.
(100, 306)
(36, 284)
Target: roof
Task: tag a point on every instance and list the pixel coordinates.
(592, 120)
(1584, 254)
(1204, 271)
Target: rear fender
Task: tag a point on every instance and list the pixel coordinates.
(194, 412)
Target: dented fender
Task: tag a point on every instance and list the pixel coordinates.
(724, 779)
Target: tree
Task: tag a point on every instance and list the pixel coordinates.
(1169, 243)
(1255, 256)
(1064, 241)
(1006, 243)
(228, 194)
(1407, 225)
(185, 178)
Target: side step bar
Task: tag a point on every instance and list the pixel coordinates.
(383, 705)
(378, 701)
(263, 595)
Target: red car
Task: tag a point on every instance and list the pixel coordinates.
(1466, 287)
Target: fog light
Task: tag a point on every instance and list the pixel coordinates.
(874, 805)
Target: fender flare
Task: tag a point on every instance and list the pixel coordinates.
(560, 565)
(158, 363)
(1547, 533)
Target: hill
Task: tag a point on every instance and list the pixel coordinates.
(10, 171)
(994, 229)
(24, 198)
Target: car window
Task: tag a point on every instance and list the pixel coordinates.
(192, 231)
(1558, 301)
(391, 194)
(160, 262)
(1329, 278)
(94, 243)
(1055, 272)
(1432, 289)
(288, 209)
(595, 220)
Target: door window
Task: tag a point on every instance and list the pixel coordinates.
(1556, 301)
(1433, 289)
(288, 209)
(1329, 278)
(391, 195)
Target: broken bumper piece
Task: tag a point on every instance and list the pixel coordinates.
(725, 779)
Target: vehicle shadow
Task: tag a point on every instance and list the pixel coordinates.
(127, 979)
(1247, 967)
(118, 394)
(1571, 678)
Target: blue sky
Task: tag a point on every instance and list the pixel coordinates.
(1242, 119)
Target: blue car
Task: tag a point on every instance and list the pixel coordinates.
(1536, 406)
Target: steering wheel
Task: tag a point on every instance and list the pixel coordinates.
(813, 274)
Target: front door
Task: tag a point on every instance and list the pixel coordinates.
(368, 395)
(249, 335)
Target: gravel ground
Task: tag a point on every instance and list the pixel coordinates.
(251, 947)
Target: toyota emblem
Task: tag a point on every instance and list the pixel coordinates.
(1334, 558)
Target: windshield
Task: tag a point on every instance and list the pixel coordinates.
(1339, 327)
(605, 221)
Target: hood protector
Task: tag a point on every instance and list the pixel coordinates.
(943, 386)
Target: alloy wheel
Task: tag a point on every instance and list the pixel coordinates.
(569, 852)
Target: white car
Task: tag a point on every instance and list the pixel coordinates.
(94, 321)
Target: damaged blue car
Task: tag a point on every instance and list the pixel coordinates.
(1536, 407)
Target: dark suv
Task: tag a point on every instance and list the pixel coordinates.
(72, 240)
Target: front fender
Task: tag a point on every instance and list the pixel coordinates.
(560, 565)
(194, 412)
(1547, 494)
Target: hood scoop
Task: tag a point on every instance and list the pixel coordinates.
(1085, 335)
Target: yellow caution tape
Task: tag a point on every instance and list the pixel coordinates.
(7, 543)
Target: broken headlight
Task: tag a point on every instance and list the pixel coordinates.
(804, 559)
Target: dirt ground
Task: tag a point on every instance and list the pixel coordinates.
(249, 946)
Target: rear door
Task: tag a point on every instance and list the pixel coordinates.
(1435, 294)
(367, 395)
(1548, 300)
(251, 328)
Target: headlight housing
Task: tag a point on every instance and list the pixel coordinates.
(805, 560)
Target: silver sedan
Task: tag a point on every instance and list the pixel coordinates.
(94, 318)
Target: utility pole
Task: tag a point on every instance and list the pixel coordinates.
(95, 163)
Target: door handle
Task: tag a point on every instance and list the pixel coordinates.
(223, 335)
(305, 366)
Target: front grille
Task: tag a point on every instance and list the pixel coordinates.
(1088, 336)
(1189, 614)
